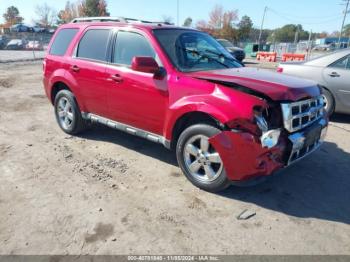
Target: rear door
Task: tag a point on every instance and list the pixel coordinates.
(337, 76)
(135, 98)
(88, 66)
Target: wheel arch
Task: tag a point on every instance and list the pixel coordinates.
(57, 87)
(191, 118)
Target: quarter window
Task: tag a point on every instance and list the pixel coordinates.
(93, 45)
(128, 45)
(62, 40)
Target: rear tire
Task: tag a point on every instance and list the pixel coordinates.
(199, 160)
(68, 114)
(329, 101)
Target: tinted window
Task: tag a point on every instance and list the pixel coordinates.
(93, 45)
(62, 41)
(129, 45)
(343, 63)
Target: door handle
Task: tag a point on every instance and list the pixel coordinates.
(117, 78)
(75, 68)
(334, 74)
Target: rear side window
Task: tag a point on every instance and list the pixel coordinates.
(62, 41)
(129, 45)
(93, 45)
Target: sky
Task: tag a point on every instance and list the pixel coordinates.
(315, 15)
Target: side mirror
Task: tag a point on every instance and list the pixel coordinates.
(145, 64)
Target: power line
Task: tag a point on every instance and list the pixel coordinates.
(306, 17)
(302, 22)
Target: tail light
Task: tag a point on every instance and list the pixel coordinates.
(44, 65)
(279, 69)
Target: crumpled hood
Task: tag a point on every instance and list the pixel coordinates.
(274, 85)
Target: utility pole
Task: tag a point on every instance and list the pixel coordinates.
(178, 12)
(342, 26)
(309, 46)
(296, 36)
(262, 26)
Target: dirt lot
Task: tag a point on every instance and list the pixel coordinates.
(106, 192)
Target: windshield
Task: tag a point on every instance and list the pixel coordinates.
(193, 51)
(225, 43)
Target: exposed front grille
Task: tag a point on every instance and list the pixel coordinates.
(298, 115)
(305, 142)
(304, 151)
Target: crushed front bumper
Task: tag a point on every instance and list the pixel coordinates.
(244, 157)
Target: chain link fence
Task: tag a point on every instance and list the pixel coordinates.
(23, 46)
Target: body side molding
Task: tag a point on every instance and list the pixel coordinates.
(127, 129)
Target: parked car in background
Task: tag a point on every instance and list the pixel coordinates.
(34, 45)
(21, 28)
(16, 44)
(330, 47)
(38, 29)
(180, 88)
(3, 41)
(236, 52)
(332, 73)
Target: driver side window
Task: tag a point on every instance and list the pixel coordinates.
(130, 44)
(343, 63)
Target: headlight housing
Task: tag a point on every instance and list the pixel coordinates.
(269, 138)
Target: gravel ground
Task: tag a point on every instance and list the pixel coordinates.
(20, 55)
(106, 192)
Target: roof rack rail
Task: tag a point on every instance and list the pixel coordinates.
(115, 19)
(99, 19)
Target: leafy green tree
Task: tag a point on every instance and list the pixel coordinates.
(93, 8)
(188, 22)
(12, 16)
(245, 27)
(289, 33)
(347, 30)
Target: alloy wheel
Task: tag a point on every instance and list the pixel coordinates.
(201, 159)
(65, 113)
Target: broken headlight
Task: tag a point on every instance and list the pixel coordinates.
(269, 138)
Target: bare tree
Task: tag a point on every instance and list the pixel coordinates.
(46, 15)
(71, 11)
(167, 19)
(216, 17)
(93, 8)
(220, 23)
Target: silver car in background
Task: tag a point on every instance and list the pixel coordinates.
(331, 72)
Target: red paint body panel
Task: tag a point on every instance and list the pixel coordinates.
(155, 105)
(265, 82)
(244, 158)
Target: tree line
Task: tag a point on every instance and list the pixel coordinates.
(221, 23)
(47, 16)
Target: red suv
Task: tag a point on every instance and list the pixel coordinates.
(179, 87)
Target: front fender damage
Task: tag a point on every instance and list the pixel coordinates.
(243, 156)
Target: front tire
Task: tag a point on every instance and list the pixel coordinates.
(199, 160)
(68, 114)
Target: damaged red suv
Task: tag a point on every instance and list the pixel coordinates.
(179, 87)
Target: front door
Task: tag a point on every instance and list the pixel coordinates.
(135, 98)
